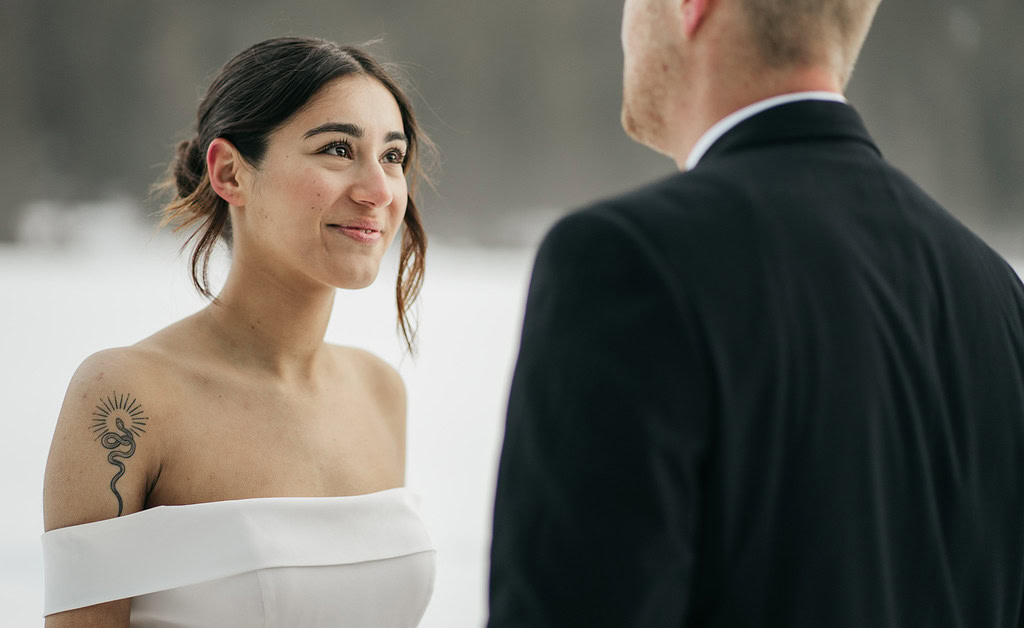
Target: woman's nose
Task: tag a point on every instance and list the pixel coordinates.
(371, 187)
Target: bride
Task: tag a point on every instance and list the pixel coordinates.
(233, 469)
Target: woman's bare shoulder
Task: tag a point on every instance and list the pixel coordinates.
(379, 379)
(137, 372)
(384, 378)
(139, 359)
(383, 387)
(107, 444)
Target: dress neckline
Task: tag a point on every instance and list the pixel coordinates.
(166, 547)
(275, 499)
(242, 502)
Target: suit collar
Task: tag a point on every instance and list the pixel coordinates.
(724, 125)
(802, 121)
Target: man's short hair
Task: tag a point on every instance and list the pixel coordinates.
(800, 32)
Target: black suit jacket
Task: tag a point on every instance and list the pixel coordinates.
(783, 389)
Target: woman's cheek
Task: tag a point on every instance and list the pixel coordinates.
(400, 193)
(398, 208)
(316, 193)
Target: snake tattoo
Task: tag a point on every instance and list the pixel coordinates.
(113, 441)
(121, 409)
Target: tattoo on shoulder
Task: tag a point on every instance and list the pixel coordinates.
(117, 421)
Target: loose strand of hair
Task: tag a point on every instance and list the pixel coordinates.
(202, 206)
(411, 270)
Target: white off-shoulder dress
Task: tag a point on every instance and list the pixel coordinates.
(355, 561)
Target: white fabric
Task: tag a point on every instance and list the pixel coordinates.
(727, 123)
(359, 561)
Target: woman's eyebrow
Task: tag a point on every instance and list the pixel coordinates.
(354, 130)
(347, 128)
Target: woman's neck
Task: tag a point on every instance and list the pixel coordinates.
(265, 321)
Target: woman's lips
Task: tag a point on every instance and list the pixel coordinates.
(366, 236)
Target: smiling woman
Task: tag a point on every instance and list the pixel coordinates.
(319, 178)
(243, 107)
(263, 482)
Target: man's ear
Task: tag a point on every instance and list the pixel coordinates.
(228, 172)
(694, 12)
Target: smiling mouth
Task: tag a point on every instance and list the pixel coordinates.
(358, 234)
(354, 228)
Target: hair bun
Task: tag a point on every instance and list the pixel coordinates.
(188, 167)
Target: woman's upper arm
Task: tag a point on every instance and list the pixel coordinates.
(107, 615)
(104, 451)
(103, 459)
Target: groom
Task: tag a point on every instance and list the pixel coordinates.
(781, 388)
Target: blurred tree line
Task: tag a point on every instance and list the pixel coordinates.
(522, 98)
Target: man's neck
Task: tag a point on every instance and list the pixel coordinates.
(718, 99)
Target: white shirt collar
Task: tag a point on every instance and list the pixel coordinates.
(724, 125)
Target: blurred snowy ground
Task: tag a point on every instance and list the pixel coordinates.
(111, 285)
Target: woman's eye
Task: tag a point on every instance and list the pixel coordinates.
(394, 157)
(338, 149)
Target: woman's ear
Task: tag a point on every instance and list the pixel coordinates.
(228, 172)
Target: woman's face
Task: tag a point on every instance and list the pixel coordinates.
(330, 194)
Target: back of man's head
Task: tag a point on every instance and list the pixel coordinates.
(689, 63)
(793, 33)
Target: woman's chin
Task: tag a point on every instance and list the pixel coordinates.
(354, 280)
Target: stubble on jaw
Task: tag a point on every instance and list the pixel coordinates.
(649, 74)
(645, 96)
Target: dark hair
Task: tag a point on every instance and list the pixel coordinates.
(254, 93)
